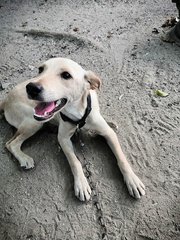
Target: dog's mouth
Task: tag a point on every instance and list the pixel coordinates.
(46, 110)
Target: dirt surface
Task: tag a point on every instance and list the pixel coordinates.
(115, 39)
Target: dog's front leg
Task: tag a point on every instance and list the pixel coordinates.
(135, 186)
(81, 186)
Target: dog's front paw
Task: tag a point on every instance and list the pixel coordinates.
(27, 163)
(135, 187)
(82, 188)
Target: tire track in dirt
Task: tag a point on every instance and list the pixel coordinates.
(95, 198)
(65, 36)
(163, 125)
(139, 146)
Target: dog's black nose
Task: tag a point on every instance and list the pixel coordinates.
(33, 90)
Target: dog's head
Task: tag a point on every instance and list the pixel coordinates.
(60, 81)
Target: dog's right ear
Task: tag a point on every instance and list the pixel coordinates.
(93, 80)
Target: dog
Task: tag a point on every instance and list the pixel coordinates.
(63, 90)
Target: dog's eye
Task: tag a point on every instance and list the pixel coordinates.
(66, 75)
(41, 69)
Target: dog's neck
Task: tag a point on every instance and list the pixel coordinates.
(76, 109)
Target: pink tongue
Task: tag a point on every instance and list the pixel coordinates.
(41, 108)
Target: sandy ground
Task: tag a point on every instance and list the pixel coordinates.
(116, 40)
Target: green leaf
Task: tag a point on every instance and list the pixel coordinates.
(161, 93)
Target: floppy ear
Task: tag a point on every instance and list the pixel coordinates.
(95, 81)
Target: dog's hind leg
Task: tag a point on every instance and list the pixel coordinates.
(25, 131)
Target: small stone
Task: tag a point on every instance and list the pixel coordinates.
(4, 85)
(76, 29)
(24, 24)
(31, 67)
(154, 103)
(155, 30)
(109, 35)
(150, 130)
(82, 144)
(120, 97)
(139, 122)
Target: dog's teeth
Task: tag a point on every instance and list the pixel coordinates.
(37, 115)
(46, 113)
(58, 102)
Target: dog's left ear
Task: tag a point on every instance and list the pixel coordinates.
(95, 81)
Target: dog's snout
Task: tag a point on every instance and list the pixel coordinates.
(33, 90)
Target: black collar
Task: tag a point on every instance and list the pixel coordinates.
(81, 122)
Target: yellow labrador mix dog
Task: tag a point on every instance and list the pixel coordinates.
(63, 86)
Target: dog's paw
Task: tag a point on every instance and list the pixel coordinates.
(135, 187)
(27, 163)
(82, 189)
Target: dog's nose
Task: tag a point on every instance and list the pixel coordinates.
(33, 90)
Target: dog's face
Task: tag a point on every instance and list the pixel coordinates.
(60, 81)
